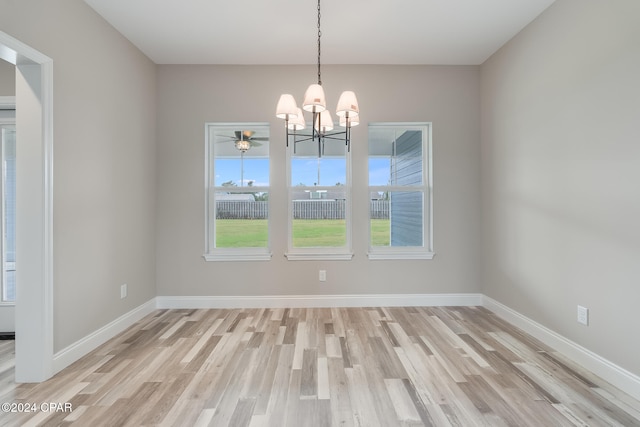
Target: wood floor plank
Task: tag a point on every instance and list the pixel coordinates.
(338, 325)
(382, 402)
(187, 412)
(421, 377)
(255, 371)
(362, 403)
(425, 416)
(314, 413)
(332, 345)
(277, 406)
(124, 409)
(163, 401)
(205, 417)
(300, 344)
(402, 402)
(290, 409)
(323, 379)
(339, 394)
(386, 366)
(345, 353)
(355, 348)
(268, 379)
(241, 416)
(575, 402)
(226, 399)
(309, 374)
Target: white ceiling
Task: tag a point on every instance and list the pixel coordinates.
(285, 31)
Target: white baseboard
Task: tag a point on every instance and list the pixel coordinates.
(82, 347)
(315, 301)
(614, 374)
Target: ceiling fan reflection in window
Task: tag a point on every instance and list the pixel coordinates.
(244, 140)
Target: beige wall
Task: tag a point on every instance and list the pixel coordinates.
(7, 79)
(189, 96)
(104, 162)
(560, 176)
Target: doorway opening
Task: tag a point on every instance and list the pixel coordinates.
(34, 210)
(7, 221)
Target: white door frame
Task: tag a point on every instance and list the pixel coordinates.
(7, 309)
(34, 209)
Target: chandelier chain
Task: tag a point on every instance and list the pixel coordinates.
(319, 34)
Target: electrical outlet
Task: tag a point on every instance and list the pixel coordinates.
(123, 291)
(322, 275)
(583, 315)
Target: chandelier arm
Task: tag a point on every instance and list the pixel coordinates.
(315, 125)
(332, 138)
(308, 138)
(347, 132)
(286, 128)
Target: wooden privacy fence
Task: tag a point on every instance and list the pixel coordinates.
(242, 209)
(302, 209)
(318, 209)
(379, 209)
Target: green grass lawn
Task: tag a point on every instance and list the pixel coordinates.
(313, 233)
(380, 232)
(241, 233)
(253, 233)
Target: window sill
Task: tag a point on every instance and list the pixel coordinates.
(238, 256)
(374, 256)
(347, 256)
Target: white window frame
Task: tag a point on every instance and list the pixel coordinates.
(211, 253)
(342, 253)
(408, 252)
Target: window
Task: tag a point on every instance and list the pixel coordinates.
(237, 192)
(319, 201)
(400, 191)
(8, 223)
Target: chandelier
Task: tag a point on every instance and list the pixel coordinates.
(322, 123)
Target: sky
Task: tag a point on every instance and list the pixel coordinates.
(304, 171)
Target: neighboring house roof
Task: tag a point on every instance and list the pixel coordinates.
(234, 196)
(338, 194)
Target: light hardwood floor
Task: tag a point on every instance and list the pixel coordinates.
(455, 366)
